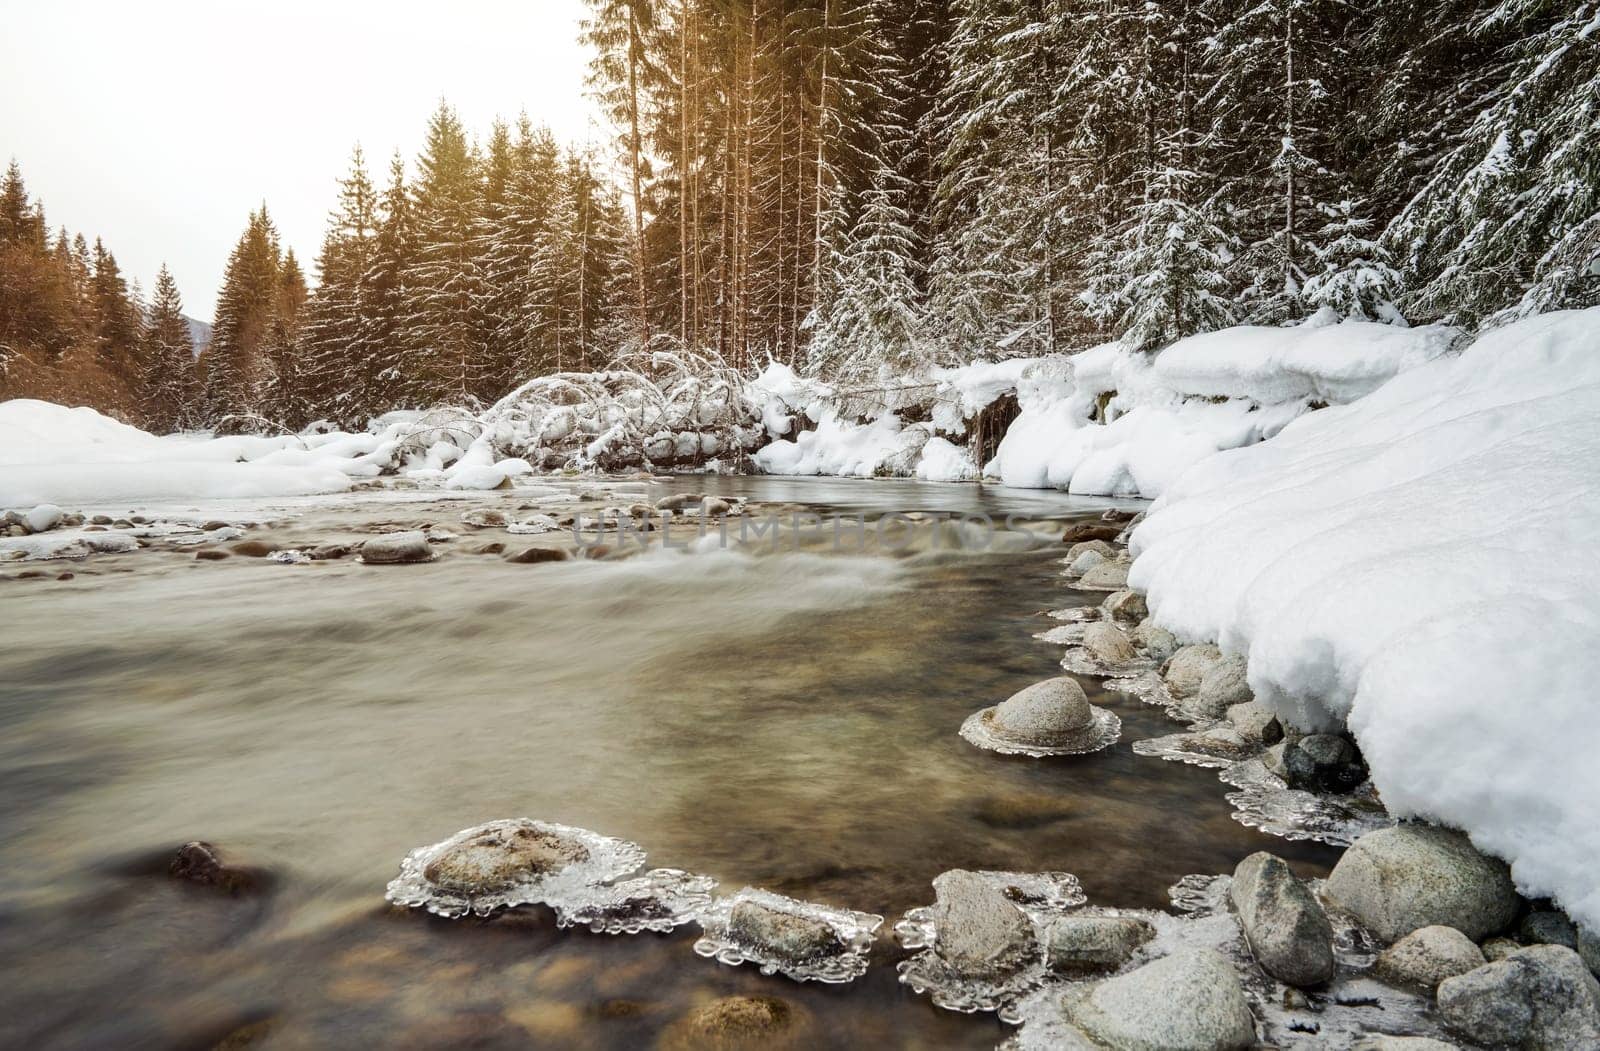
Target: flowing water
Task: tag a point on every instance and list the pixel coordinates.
(785, 720)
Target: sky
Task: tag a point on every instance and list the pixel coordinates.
(160, 125)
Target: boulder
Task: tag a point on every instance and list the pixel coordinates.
(1078, 943)
(1541, 999)
(1188, 1001)
(1157, 642)
(1126, 607)
(43, 518)
(979, 932)
(1427, 956)
(1081, 531)
(1100, 547)
(531, 555)
(1397, 880)
(1187, 667)
(1107, 576)
(485, 518)
(256, 548)
(397, 548)
(680, 501)
(1256, 723)
(1499, 948)
(329, 552)
(1084, 562)
(1589, 949)
(1107, 644)
(500, 856)
(1222, 686)
(790, 935)
(1287, 930)
(202, 863)
(1547, 927)
(1323, 763)
(737, 1022)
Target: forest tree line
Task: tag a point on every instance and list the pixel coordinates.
(854, 186)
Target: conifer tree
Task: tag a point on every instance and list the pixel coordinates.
(389, 355)
(236, 367)
(168, 389)
(334, 366)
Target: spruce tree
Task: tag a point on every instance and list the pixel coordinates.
(390, 357)
(334, 367)
(236, 366)
(168, 388)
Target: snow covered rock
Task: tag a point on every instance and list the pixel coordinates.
(1541, 999)
(1397, 880)
(1286, 929)
(1187, 668)
(980, 931)
(1188, 1001)
(396, 548)
(1427, 956)
(43, 518)
(1087, 942)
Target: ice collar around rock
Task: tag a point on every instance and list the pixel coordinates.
(1052, 717)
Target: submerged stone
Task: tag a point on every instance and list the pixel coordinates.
(534, 555)
(801, 940)
(397, 548)
(202, 863)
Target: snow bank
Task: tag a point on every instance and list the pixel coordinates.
(1114, 422)
(1423, 565)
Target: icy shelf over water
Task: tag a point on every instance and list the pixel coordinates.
(1264, 801)
(780, 935)
(660, 900)
(1042, 897)
(1336, 1015)
(517, 861)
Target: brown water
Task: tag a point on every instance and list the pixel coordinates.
(784, 720)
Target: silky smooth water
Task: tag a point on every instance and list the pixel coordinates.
(785, 720)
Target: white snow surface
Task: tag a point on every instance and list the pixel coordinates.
(1109, 421)
(1423, 566)
(74, 457)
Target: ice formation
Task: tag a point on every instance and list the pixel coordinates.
(798, 939)
(505, 863)
(1420, 566)
(1049, 718)
(660, 900)
(1041, 896)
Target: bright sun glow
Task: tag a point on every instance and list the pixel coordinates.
(160, 126)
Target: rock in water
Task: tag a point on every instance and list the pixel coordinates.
(1052, 717)
(1190, 1000)
(680, 502)
(43, 518)
(397, 548)
(200, 862)
(1107, 644)
(789, 935)
(1396, 880)
(1081, 531)
(1287, 930)
(980, 932)
(1223, 686)
(737, 1022)
(1323, 763)
(1256, 723)
(1085, 562)
(1541, 998)
(1107, 576)
(499, 857)
(1100, 547)
(532, 555)
(1125, 607)
(1157, 643)
(1084, 943)
(1187, 667)
(1427, 956)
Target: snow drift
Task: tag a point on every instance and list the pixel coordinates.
(1421, 565)
(1107, 421)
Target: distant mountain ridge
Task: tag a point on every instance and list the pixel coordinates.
(199, 332)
